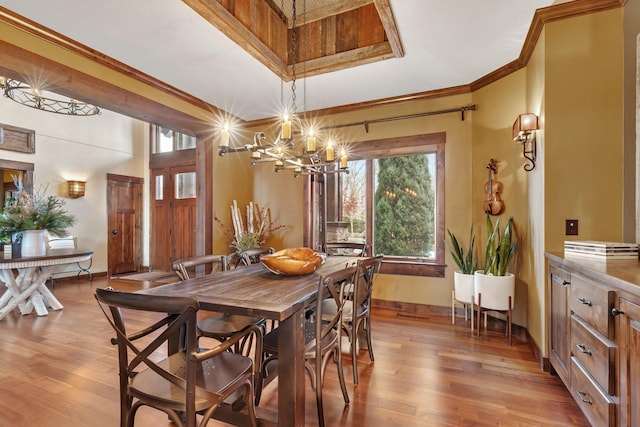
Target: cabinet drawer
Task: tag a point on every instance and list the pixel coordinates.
(596, 405)
(595, 352)
(592, 303)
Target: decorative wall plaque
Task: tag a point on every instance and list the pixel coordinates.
(17, 139)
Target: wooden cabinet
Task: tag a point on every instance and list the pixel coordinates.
(594, 336)
(628, 325)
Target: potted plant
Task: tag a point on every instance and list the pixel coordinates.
(463, 278)
(494, 286)
(26, 218)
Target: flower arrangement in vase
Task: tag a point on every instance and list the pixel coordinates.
(251, 230)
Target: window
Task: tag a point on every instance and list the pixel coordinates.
(164, 140)
(392, 199)
(185, 185)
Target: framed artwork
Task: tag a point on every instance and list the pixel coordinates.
(17, 139)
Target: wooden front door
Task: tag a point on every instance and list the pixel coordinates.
(173, 215)
(124, 205)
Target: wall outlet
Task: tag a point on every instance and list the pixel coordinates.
(571, 227)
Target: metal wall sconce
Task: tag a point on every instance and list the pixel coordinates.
(524, 133)
(75, 189)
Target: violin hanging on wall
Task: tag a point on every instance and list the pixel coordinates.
(492, 204)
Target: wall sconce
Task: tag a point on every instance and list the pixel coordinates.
(75, 189)
(524, 133)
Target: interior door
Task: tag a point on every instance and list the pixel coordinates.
(124, 205)
(173, 215)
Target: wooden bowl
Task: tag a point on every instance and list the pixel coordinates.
(293, 261)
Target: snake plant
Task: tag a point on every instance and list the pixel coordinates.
(500, 247)
(466, 263)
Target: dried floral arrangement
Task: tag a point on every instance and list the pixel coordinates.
(250, 229)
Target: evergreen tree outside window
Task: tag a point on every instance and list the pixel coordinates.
(404, 206)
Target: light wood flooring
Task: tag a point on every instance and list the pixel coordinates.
(60, 370)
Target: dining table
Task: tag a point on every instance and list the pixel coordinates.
(25, 279)
(255, 291)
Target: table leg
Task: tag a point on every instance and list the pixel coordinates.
(291, 387)
(28, 291)
(18, 299)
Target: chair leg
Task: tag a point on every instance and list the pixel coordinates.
(343, 384)
(367, 323)
(353, 337)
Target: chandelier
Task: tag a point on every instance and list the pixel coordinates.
(294, 148)
(24, 94)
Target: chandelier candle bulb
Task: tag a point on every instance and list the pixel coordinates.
(286, 128)
(255, 155)
(224, 136)
(311, 143)
(343, 159)
(330, 152)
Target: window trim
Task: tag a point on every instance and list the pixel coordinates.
(399, 146)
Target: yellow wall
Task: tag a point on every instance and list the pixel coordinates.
(583, 127)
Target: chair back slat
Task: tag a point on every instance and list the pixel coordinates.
(186, 268)
(367, 270)
(252, 256)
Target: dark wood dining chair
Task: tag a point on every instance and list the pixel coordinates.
(356, 314)
(182, 384)
(323, 338)
(345, 248)
(220, 326)
(252, 256)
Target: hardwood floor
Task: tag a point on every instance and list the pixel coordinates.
(60, 370)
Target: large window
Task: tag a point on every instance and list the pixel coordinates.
(393, 200)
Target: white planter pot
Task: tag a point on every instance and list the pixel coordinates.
(34, 243)
(463, 285)
(495, 290)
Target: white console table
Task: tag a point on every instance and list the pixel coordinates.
(25, 280)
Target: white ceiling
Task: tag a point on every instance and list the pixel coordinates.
(446, 43)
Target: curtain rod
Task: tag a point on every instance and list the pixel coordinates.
(366, 123)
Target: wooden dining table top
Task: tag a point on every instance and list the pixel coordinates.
(253, 290)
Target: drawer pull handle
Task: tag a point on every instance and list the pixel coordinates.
(584, 301)
(583, 395)
(615, 311)
(560, 280)
(583, 349)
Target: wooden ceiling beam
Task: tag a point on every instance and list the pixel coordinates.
(215, 14)
(389, 23)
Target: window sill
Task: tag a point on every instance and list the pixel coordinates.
(412, 268)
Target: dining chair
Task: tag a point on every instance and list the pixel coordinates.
(252, 256)
(356, 314)
(323, 338)
(345, 248)
(182, 384)
(220, 326)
